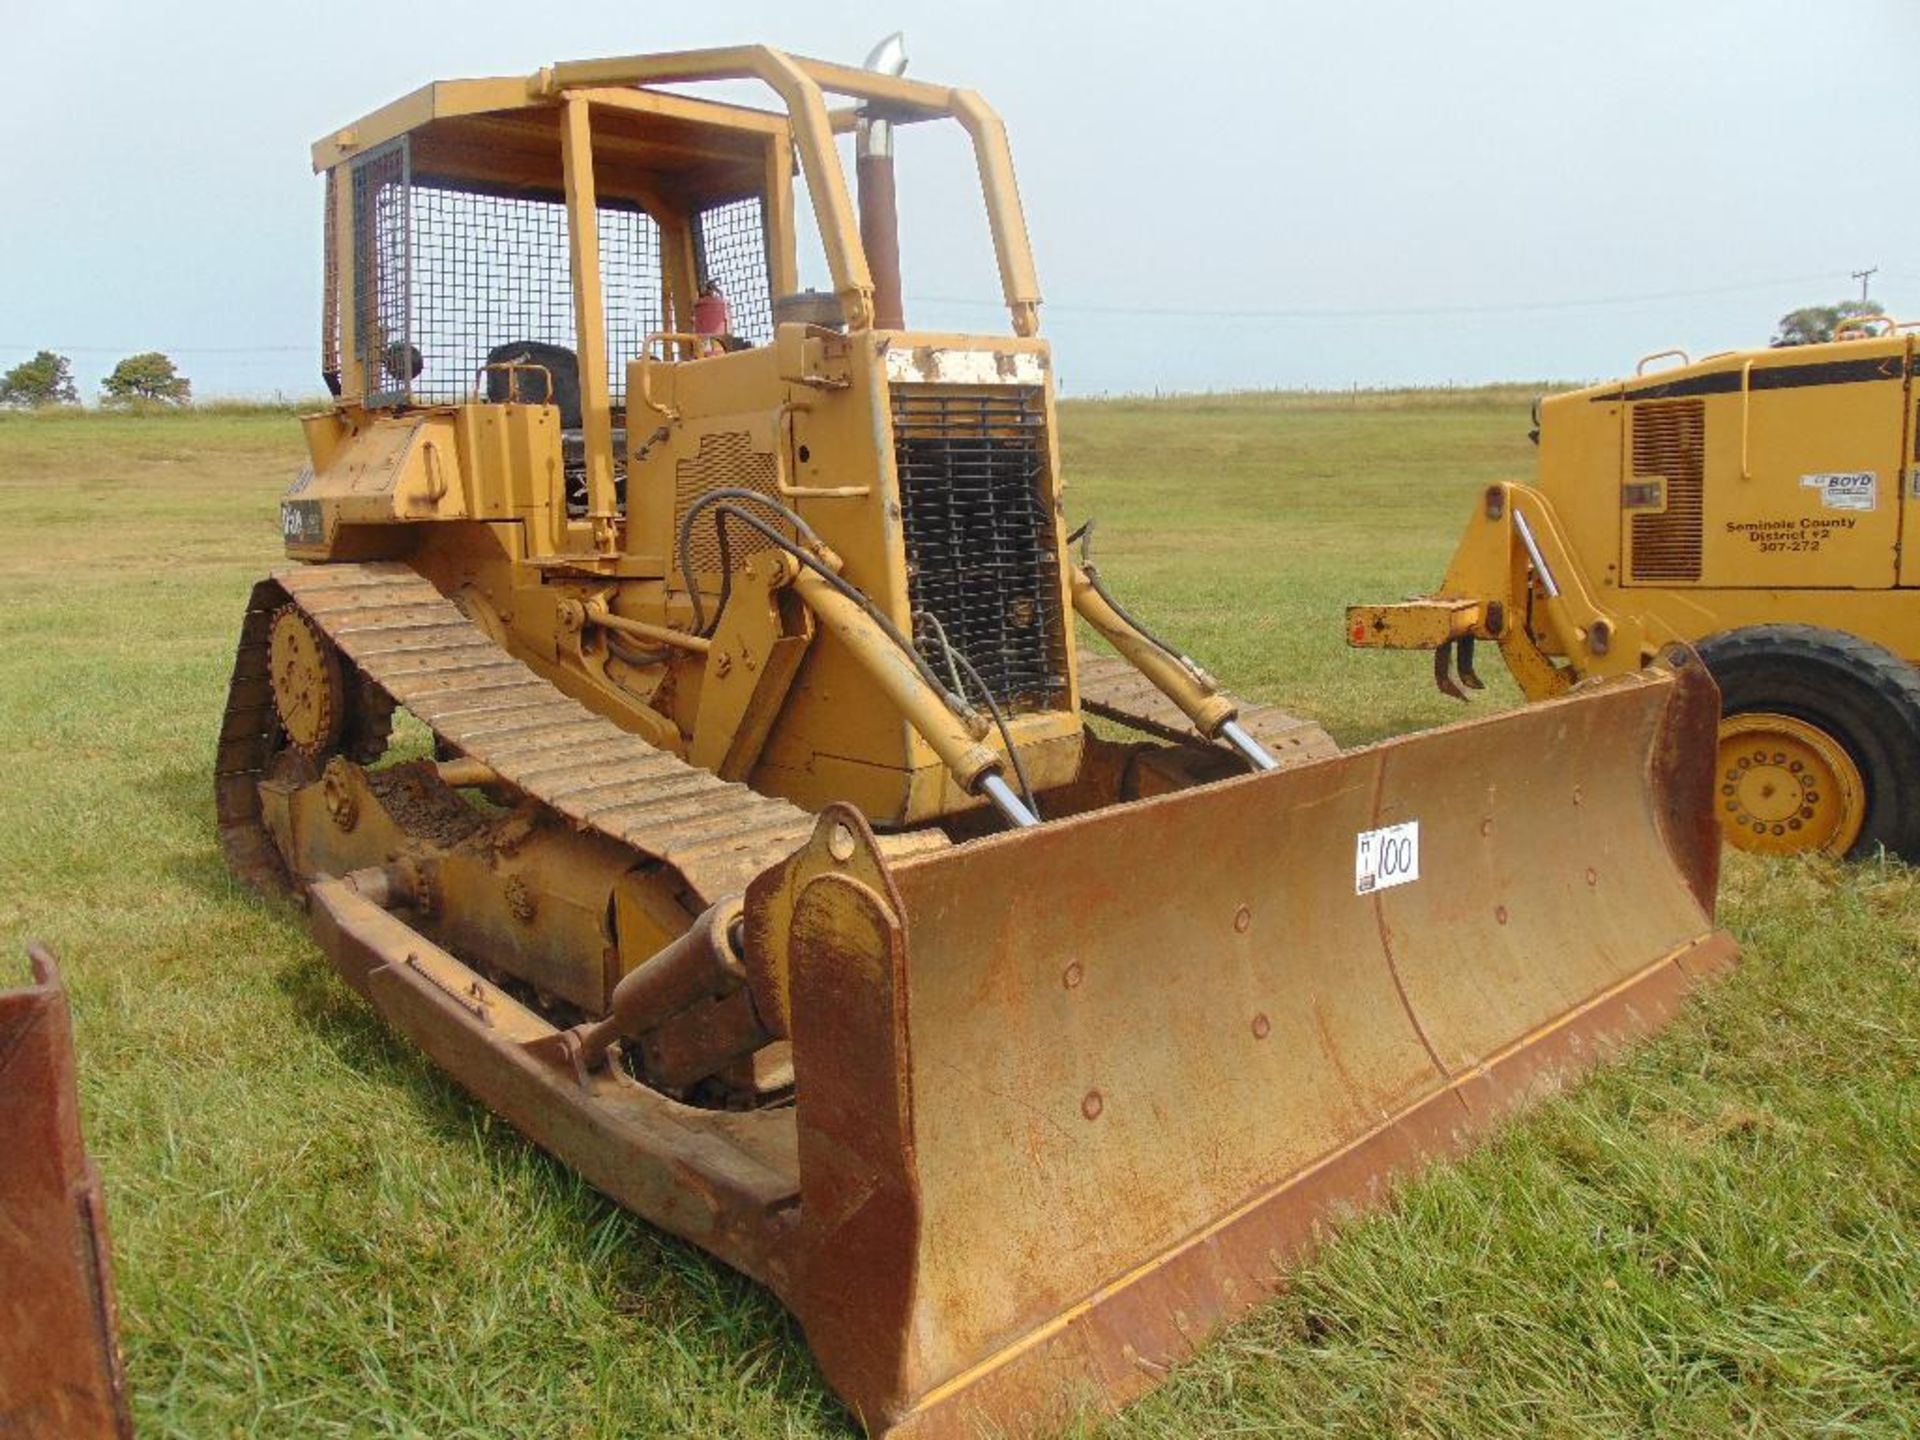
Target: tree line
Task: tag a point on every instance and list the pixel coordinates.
(1816, 324)
(149, 378)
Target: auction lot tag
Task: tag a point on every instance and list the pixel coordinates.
(1385, 858)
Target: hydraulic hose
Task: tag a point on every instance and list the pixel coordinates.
(725, 504)
(1085, 536)
(957, 661)
(1175, 675)
(683, 542)
(724, 509)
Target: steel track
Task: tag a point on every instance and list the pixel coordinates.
(415, 645)
(1114, 690)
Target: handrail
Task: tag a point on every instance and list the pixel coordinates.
(812, 133)
(906, 99)
(783, 447)
(512, 367)
(702, 347)
(1746, 414)
(800, 84)
(1857, 325)
(1018, 282)
(1646, 360)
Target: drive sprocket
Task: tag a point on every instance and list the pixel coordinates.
(309, 685)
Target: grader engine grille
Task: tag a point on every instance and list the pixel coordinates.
(1669, 446)
(979, 529)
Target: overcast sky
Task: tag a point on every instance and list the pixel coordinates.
(1221, 196)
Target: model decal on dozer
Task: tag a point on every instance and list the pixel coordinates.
(763, 864)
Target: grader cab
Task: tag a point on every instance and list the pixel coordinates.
(752, 850)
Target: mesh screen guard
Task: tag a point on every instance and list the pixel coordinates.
(381, 181)
(732, 252)
(444, 274)
(330, 286)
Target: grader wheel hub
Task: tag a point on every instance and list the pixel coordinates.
(309, 691)
(1787, 786)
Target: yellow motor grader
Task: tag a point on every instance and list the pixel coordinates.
(749, 847)
(1757, 504)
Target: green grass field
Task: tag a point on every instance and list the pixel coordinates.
(317, 1236)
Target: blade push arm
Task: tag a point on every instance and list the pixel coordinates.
(955, 736)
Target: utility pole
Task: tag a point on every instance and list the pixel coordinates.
(1863, 276)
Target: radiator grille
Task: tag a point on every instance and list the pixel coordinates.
(980, 538)
(725, 458)
(1669, 443)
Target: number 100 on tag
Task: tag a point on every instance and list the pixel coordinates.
(1385, 858)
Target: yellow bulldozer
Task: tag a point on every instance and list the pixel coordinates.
(676, 723)
(1763, 507)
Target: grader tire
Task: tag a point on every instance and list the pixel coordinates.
(1827, 715)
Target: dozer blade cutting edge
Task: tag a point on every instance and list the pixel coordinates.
(1070, 1098)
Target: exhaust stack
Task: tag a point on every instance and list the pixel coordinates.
(879, 210)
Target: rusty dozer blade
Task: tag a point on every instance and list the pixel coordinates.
(1071, 1098)
(60, 1371)
(1067, 1099)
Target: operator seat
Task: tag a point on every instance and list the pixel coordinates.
(529, 386)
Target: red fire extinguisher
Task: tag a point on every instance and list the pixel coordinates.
(710, 316)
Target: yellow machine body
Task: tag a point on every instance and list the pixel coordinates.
(763, 863)
(498, 540)
(1712, 504)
